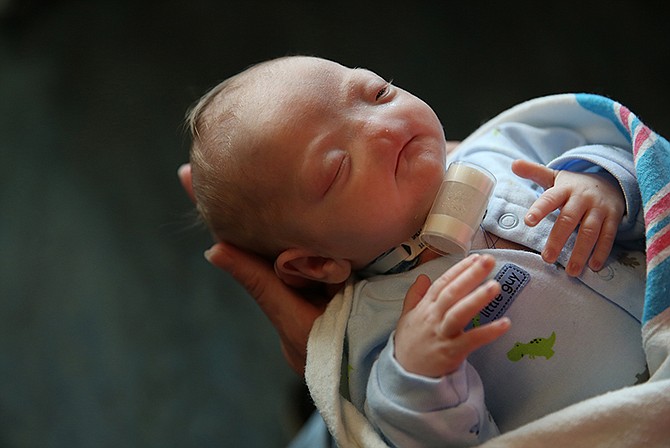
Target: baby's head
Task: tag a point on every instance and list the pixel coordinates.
(314, 165)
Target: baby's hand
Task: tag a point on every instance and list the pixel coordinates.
(586, 200)
(430, 339)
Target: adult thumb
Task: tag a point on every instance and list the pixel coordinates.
(253, 273)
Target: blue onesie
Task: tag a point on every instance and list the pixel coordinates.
(571, 338)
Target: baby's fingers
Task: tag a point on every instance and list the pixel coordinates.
(568, 220)
(446, 279)
(457, 317)
(550, 200)
(480, 336)
(445, 295)
(604, 244)
(539, 174)
(415, 293)
(590, 231)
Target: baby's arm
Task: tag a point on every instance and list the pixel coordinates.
(433, 397)
(591, 201)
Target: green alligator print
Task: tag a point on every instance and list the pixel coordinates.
(476, 321)
(536, 347)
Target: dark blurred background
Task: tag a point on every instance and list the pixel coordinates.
(114, 331)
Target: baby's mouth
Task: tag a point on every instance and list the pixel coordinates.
(400, 153)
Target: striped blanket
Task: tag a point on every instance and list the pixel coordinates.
(637, 415)
(633, 416)
(651, 153)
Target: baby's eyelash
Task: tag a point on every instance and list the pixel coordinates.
(383, 91)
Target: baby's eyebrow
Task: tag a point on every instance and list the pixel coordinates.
(349, 83)
(353, 81)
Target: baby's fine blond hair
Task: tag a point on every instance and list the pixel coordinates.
(230, 198)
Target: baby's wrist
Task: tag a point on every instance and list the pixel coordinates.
(417, 364)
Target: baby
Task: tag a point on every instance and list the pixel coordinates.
(324, 168)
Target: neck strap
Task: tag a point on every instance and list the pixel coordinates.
(398, 259)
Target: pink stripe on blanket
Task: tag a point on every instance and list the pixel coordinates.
(658, 244)
(660, 207)
(624, 113)
(641, 136)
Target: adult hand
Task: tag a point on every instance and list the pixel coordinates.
(291, 311)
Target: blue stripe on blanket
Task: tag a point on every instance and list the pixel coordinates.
(602, 106)
(658, 226)
(645, 169)
(652, 167)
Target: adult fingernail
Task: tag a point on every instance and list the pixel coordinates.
(218, 256)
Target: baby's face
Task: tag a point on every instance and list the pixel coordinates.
(357, 160)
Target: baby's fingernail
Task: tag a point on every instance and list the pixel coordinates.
(504, 322)
(548, 255)
(595, 265)
(573, 268)
(531, 219)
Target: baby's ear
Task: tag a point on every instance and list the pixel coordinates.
(295, 264)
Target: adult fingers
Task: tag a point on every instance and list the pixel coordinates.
(257, 276)
(289, 310)
(252, 272)
(186, 179)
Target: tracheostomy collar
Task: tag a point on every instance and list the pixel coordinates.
(455, 216)
(398, 259)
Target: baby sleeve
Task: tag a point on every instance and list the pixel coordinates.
(415, 411)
